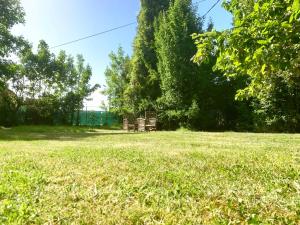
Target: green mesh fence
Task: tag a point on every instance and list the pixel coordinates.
(96, 118)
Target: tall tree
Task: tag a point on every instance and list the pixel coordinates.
(11, 13)
(144, 80)
(179, 77)
(82, 88)
(48, 88)
(117, 79)
(39, 69)
(264, 46)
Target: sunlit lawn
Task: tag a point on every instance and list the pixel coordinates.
(59, 175)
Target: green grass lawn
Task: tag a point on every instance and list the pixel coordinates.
(59, 175)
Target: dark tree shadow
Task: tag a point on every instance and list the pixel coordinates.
(34, 133)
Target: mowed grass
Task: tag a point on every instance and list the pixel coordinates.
(61, 175)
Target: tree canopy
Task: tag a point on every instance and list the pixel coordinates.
(144, 80)
(264, 46)
(11, 13)
(175, 48)
(117, 79)
(243, 78)
(39, 87)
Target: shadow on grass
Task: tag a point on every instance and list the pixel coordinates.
(61, 133)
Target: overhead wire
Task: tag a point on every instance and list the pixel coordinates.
(94, 35)
(211, 8)
(197, 2)
(123, 26)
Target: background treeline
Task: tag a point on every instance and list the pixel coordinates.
(244, 78)
(40, 88)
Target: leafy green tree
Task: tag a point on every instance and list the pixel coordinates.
(144, 79)
(65, 86)
(39, 70)
(42, 84)
(82, 89)
(11, 13)
(52, 88)
(264, 46)
(179, 76)
(65, 74)
(40, 99)
(216, 98)
(117, 79)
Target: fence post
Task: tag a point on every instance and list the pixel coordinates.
(86, 120)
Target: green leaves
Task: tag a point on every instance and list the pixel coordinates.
(263, 69)
(143, 87)
(117, 81)
(46, 87)
(175, 48)
(265, 42)
(296, 5)
(295, 11)
(11, 13)
(266, 50)
(256, 7)
(286, 25)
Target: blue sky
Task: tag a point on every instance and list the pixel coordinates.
(60, 21)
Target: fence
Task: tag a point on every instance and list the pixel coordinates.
(96, 118)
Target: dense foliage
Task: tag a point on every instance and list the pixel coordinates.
(163, 78)
(264, 47)
(11, 14)
(117, 78)
(52, 88)
(245, 78)
(175, 48)
(41, 88)
(143, 89)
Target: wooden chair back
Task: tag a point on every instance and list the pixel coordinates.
(141, 124)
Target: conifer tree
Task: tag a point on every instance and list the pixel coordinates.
(179, 77)
(144, 81)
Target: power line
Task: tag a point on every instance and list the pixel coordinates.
(123, 26)
(197, 2)
(94, 35)
(214, 5)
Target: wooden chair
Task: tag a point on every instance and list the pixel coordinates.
(141, 124)
(150, 114)
(151, 121)
(128, 125)
(151, 124)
